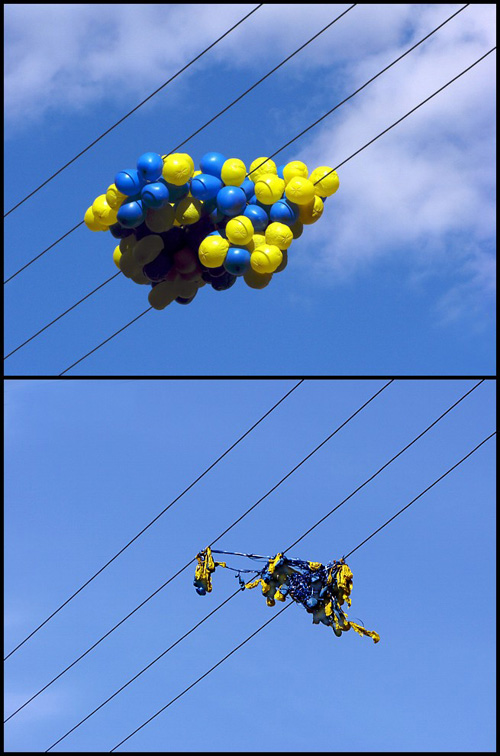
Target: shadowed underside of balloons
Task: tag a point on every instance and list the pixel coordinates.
(180, 228)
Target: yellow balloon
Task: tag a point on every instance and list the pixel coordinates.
(258, 239)
(213, 251)
(117, 253)
(295, 168)
(188, 211)
(256, 280)
(239, 230)
(279, 234)
(114, 197)
(109, 216)
(311, 212)
(177, 169)
(269, 188)
(186, 288)
(160, 220)
(260, 166)
(188, 159)
(328, 181)
(162, 294)
(100, 205)
(233, 172)
(266, 258)
(92, 222)
(300, 190)
(148, 249)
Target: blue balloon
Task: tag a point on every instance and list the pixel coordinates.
(212, 163)
(205, 187)
(231, 200)
(216, 215)
(248, 187)
(155, 195)
(141, 231)
(284, 211)
(258, 216)
(131, 214)
(237, 261)
(150, 166)
(129, 182)
(280, 171)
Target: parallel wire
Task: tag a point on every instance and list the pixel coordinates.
(61, 315)
(105, 341)
(141, 532)
(410, 49)
(382, 132)
(214, 118)
(125, 685)
(42, 253)
(192, 560)
(136, 108)
(386, 464)
(201, 678)
(421, 494)
(290, 604)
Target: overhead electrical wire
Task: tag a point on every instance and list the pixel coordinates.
(340, 164)
(219, 39)
(290, 604)
(139, 606)
(141, 532)
(160, 656)
(211, 120)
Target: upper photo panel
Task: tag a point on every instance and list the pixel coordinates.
(315, 182)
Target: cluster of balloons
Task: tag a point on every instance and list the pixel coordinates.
(181, 228)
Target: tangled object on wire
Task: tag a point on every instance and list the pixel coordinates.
(321, 589)
(179, 228)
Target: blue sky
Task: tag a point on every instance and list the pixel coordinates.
(398, 274)
(89, 463)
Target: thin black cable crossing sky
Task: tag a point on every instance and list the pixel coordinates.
(190, 562)
(219, 39)
(211, 120)
(368, 480)
(141, 532)
(334, 169)
(291, 603)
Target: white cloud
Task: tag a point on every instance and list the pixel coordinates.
(424, 193)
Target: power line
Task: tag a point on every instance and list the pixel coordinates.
(132, 540)
(386, 464)
(290, 604)
(188, 564)
(105, 341)
(423, 492)
(329, 112)
(145, 668)
(136, 108)
(316, 122)
(42, 253)
(201, 678)
(125, 685)
(61, 315)
(366, 145)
